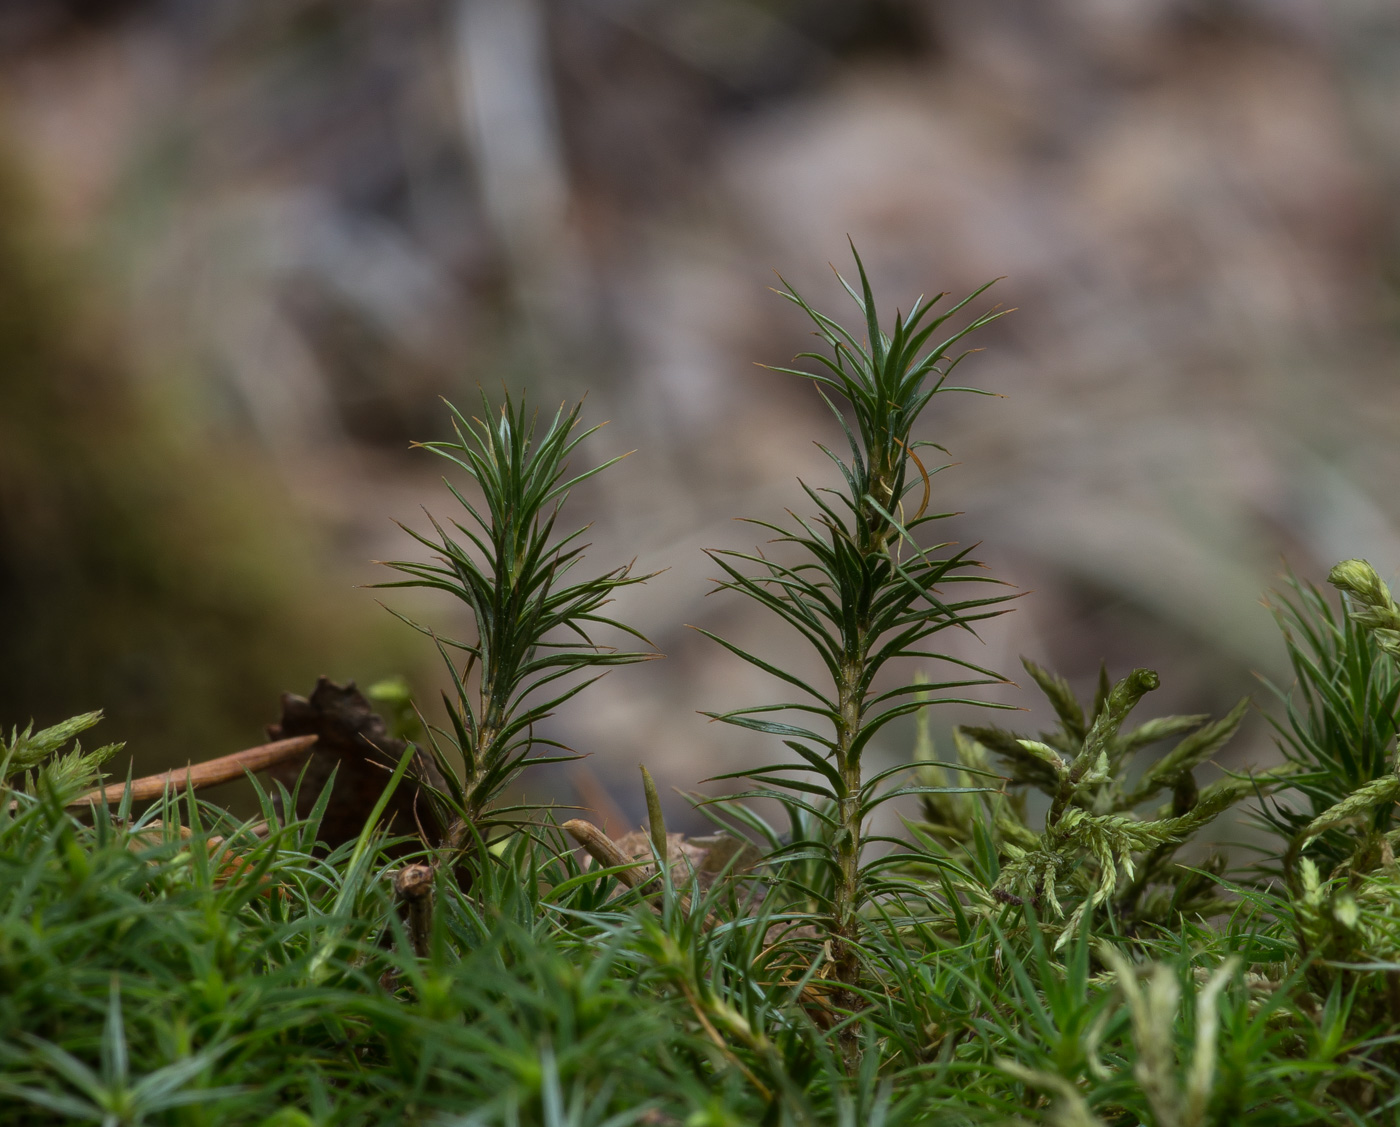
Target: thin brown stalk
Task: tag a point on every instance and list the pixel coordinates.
(413, 884)
(196, 775)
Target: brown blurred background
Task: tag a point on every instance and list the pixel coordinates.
(244, 246)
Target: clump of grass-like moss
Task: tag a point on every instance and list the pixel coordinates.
(183, 967)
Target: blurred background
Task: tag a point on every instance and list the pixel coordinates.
(245, 246)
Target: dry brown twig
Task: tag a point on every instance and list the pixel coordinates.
(211, 772)
(224, 769)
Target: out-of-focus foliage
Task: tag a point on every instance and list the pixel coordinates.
(157, 573)
(315, 217)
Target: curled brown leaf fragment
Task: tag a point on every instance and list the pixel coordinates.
(603, 850)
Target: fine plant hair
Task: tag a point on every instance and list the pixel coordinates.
(1014, 957)
(864, 591)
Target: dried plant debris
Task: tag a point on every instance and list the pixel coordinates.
(695, 862)
(354, 744)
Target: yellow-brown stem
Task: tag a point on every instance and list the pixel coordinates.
(845, 906)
